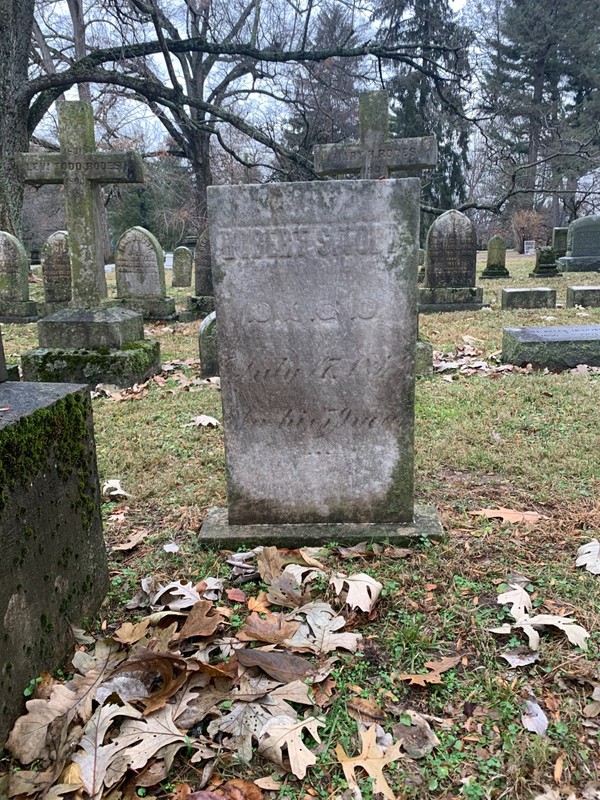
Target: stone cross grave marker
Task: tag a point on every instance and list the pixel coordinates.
(56, 268)
(183, 263)
(316, 301)
(82, 170)
(376, 155)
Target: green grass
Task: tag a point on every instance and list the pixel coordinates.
(528, 442)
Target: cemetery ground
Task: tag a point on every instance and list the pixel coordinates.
(473, 725)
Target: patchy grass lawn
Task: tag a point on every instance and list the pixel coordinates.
(525, 442)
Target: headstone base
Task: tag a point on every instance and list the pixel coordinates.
(91, 328)
(53, 569)
(134, 363)
(197, 307)
(588, 296)
(579, 263)
(450, 298)
(151, 308)
(539, 297)
(18, 311)
(423, 358)
(550, 274)
(494, 273)
(217, 530)
(557, 348)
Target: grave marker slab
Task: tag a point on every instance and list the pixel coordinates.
(56, 272)
(529, 247)
(450, 266)
(15, 305)
(583, 246)
(140, 275)
(316, 301)
(376, 155)
(558, 348)
(496, 259)
(587, 296)
(540, 297)
(53, 570)
(559, 241)
(183, 264)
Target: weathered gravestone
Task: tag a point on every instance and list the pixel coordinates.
(545, 264)
(557, 348)
(183, 263)
(540, 297)
(202, 301)
(207, 345)
(496, 259)
(586, 296)
(315, 291)
(87, 342)
(450, 266)
(529, 247)
(559, 241)
(583, 246)
(56, 273)
(140, 275)
(15, 305)
(53, 569)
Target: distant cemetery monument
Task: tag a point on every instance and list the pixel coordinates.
(316, 297)
(545, 263)
(183, 264)
(450, 266)
(53, 570)
(140, 275)
(496, 259)
(529, 247)
(583, 246)
(15, 305)
(112, 337)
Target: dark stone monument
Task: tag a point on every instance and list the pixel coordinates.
(586, 296)
(545, 264)
(53, 569)
(207, 345)
(583, 246)
(82, 170)
(559, 241)
(496, 259)
(556, 348)
(316, 295)
(450, 266)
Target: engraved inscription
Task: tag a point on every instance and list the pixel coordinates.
(323, 311)
(587, 242)
(325, 421)
(328, 368)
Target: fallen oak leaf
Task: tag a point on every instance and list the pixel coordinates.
(176, 595)
(274, 629)
(284, 732)
(132, 540)
(362, 590)
(162, 674)
(284, 667)
(318, 633)
(518, 600)
(365, 711)
(575, 633)
(130, 633)
(203, 620)
(533, 718)
(435, 675)
(236, 789)
(259, 603)
(112, 490)
(588, 556)
(202, 421)
(520, 656)
(372, 759)
(236, 595)
(415, 734)
(241, 725)
(509, 515)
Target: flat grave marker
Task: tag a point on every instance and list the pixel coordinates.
(557, 347)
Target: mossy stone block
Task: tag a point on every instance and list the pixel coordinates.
(90, 328)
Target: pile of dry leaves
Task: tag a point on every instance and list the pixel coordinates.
(211, 674)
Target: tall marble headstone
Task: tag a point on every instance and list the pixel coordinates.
(140, 274)
(450, 265)
(583, 246)
(15, 305)
(316, 297)
(56, 271)
(496, 259)
(183, 264)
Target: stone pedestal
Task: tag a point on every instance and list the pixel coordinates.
(542, 297)
(151, 308)
(18, 311)
(197, 307)
(450, 298)
(545, 264)
(53, 570)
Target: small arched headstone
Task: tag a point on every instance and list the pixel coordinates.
(207, 343)
(15, 305)
(56, 268)
(183, 263)
(496, 259)
(140, 273)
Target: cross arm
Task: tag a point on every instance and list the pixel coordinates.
(337, 159)
(41, 168)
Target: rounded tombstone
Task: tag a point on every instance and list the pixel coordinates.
(496, 259)
(183, 263)
(14, 269)
(451, 252)
(56, 268)
(139, 265)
